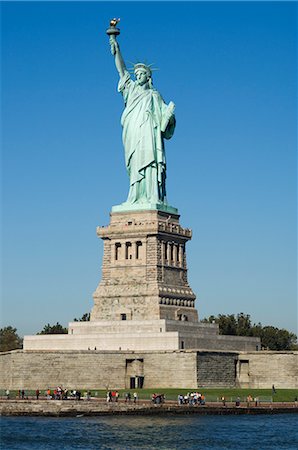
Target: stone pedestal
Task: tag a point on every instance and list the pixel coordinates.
(144, 272)
(143, 301)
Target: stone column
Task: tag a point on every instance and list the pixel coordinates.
(181, 253)
(163, 255)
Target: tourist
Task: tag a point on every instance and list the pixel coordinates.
(158, 398)
(180, 399)
(23, 394)
(223, 401)
(49, 394)
(37, 394)
(273, 390)
(7, 394)
(135, 397)
(127, 397)
(196, 398)
(59, 393)
(238, 401)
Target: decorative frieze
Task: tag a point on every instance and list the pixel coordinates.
(176, 302)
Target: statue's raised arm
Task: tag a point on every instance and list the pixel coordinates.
(113, 31)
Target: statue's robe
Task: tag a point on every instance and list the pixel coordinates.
(145, 125)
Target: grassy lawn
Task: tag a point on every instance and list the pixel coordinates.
(211, 395)
(282, 395)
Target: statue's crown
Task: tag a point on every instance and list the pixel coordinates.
(147, 67)
(143, 66)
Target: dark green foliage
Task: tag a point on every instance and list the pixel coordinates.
(85, 318)
(53, 329)
(272, 338)
(9, 339)
(227, 324)
(244, 326)
(276, 339)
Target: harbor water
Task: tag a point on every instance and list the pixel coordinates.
(278, 431)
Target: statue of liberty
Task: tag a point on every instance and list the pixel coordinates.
(146, 120)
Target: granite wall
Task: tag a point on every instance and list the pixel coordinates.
(159, 369)
(265, 368)
(95, 369)
(216, 369)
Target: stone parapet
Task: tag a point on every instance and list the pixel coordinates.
(117, 326)
(104, 341)
(135, 229)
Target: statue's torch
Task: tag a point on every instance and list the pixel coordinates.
(113, 31)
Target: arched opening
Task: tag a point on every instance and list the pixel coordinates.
(171, 252)
(165, 251)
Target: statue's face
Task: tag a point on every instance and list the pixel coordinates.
(141, 77)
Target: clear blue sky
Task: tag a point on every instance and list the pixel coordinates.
(230, 68)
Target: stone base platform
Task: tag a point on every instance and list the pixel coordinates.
(140, 335)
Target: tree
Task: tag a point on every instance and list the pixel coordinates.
(85, 318)
(53, 329)
(227, 324)
(244, 327)
(276, 339)
(9, 339)
(271, 337)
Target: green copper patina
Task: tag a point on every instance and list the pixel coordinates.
(146, 120)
